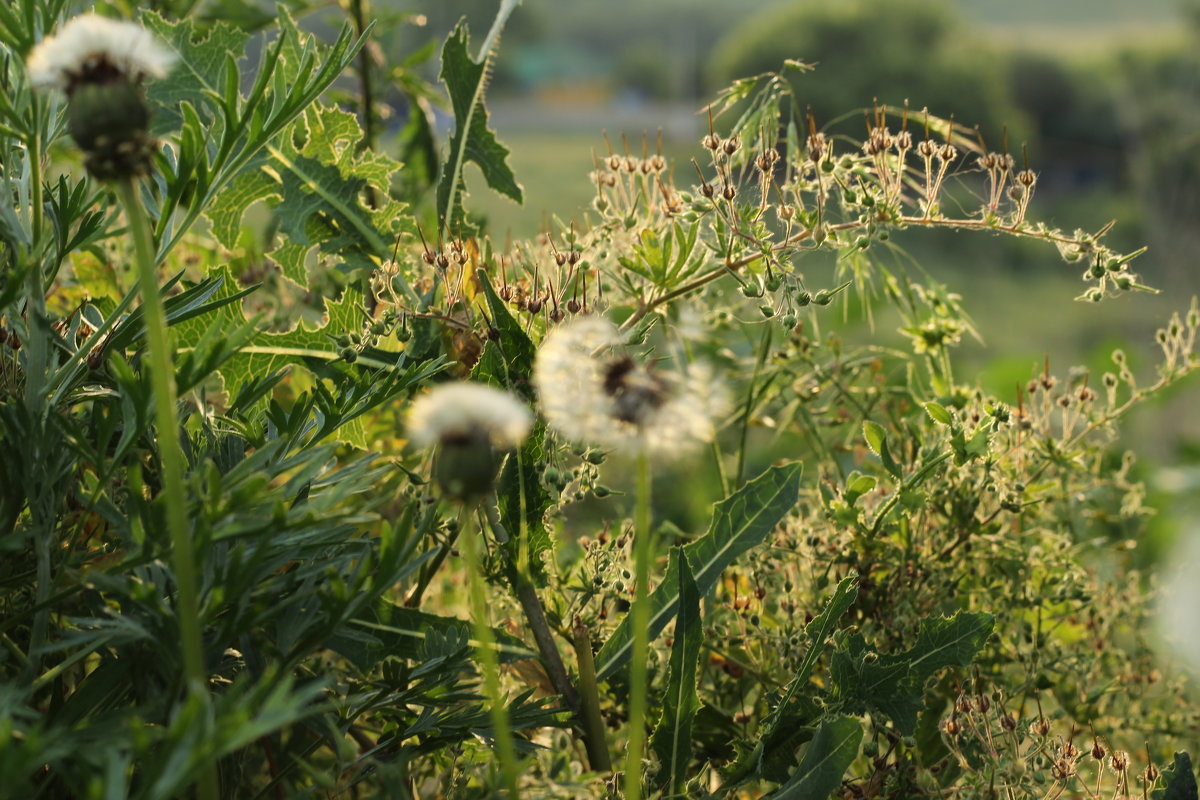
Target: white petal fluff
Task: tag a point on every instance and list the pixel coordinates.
(88, 42)
(573, 367)
(462, 408)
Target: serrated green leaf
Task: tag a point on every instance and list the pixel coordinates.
(938, 413)
(741, 521)
(466, 81)
(834, 747)
(857, 485)
(204, 57)
(894, 684)
(1179, 782)
(672, 739)
(316, 182)
(268, 352)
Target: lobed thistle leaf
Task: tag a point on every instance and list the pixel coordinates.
(473, 140)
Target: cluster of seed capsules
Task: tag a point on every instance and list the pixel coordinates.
(1031, 754)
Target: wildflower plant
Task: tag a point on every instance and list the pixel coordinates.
(231, 546)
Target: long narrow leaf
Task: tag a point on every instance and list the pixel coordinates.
(672, 740)
(741, 521)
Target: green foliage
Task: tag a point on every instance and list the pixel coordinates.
(739, 522)
(1179, 781)
(834, 746)
(927, 590)
(894, 684)
(672, 740)
(466, 80)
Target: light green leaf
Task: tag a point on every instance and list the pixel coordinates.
(466, 81)
(938, 413)
(741, 521)
(833, 748)
(204, 58)
(877, 440)
(672, 740)
(873, 433)
(317, 183)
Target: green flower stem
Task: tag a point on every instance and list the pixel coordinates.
(486, 649)
(643, 551)
(162, 376)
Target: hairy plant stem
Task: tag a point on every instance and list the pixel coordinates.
(35, 379)
(643, 552)
(523, 587)
(162, 377)
(731, 265)
(360, 12)
(486, 649)
(764, 347)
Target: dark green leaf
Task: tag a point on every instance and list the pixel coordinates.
(895, 684)
(672, 740)
(392, 630)
(775, 750)
(833, 749)
(1179, 782)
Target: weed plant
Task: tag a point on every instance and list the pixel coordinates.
(358, 503)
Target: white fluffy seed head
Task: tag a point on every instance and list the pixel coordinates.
(592, 392)
(462, 410)
(93, 48)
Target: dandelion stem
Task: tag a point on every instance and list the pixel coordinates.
(469, 539)
(162, 376)
(643, 551)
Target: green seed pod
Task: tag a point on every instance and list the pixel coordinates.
(466, 465)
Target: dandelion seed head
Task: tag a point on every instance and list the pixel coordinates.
(95, 49)
(460, 411)
(593, 392)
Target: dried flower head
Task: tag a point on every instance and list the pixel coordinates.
(102, 65)
(594, 392)
(469, 421)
